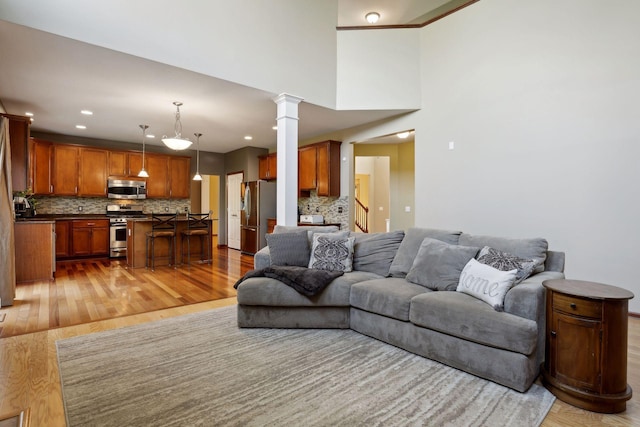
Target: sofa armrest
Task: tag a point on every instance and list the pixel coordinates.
(262, 258)
(527, 299)
(554, 261)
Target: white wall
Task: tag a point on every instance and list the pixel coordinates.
(378, 69)
(276, 45)
(541, 99)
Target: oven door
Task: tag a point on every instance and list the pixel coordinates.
(118, 240)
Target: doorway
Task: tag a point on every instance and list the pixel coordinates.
(372, 192)
(234, 205)
(210, 201)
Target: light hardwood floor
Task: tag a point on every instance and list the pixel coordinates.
(29, 378)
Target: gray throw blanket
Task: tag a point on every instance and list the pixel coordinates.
(307, 281)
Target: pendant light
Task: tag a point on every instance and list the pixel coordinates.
(143, 173)
(177, 142)
(197, 176)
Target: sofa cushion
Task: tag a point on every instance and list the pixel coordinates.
(486, 283)
(535, 248)
(389, 297)
(289, 248)
(438, 264)
(332, 251)
(271, 292)
(463, 316)
(403, 261)
(375, 252)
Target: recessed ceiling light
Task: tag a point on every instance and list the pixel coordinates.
(86, 112)
(81, 127)
(403, 135)
(372, 17)
(248, 137)
(150, 135)
(28, 114)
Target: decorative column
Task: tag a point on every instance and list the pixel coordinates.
(287, 183)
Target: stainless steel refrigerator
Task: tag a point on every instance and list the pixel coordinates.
(258, 204)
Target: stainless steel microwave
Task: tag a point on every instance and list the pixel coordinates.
(126, 189)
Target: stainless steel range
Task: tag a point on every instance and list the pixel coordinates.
(118, 214)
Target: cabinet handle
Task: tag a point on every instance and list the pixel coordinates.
(573, 305)
(553, 334)
(91, 224)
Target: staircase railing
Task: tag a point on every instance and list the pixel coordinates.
(362, 216)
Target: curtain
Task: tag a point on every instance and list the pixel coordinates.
(7, 247)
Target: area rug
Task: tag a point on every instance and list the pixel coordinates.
(201, 369)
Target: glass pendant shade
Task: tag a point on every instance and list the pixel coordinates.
(143, 173)
(197, 176)
(177, 142)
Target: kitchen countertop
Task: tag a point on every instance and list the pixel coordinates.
(54, 217)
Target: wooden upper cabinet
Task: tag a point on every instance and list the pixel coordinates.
(19, 127)
(328, 169)
(118, 163)
(268, 166)
(134, 163)
(71, 170)
(92, 177)
(41, 153)
(65, 170)
(180, 179)
(158, 182)
(319, 169)
(124, 164)
(307, 168)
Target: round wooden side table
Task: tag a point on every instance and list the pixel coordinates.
(586, 344)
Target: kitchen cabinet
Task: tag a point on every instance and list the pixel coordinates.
(180, 178)
(307, 168)
(63, 239)
(19, 128)
(92, 173)
(268, 166)
(118, 164)
(41, 152)
(72, 170)
(586, 344)
(124, 164)
(319, 169)
(65, 170)
(34, 250)
(134, 164)
(90, 237)
(158, 182)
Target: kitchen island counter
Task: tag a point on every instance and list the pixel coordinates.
(137, 229)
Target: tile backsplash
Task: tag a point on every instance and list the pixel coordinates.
(333, 209)
(98, 205)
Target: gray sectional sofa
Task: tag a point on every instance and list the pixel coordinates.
(401, 290)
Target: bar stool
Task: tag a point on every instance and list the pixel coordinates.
(198, 224)
(162, 226)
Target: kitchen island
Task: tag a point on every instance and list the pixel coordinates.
(137, 229)
(34, 246)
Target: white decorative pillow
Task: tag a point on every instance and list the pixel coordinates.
(486, 283)
(332, 251)
(505, 261)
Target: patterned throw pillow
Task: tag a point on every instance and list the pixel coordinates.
(486, 283)
(332, 251)
(504, 261)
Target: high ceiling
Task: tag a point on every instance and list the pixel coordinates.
(55, 77)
